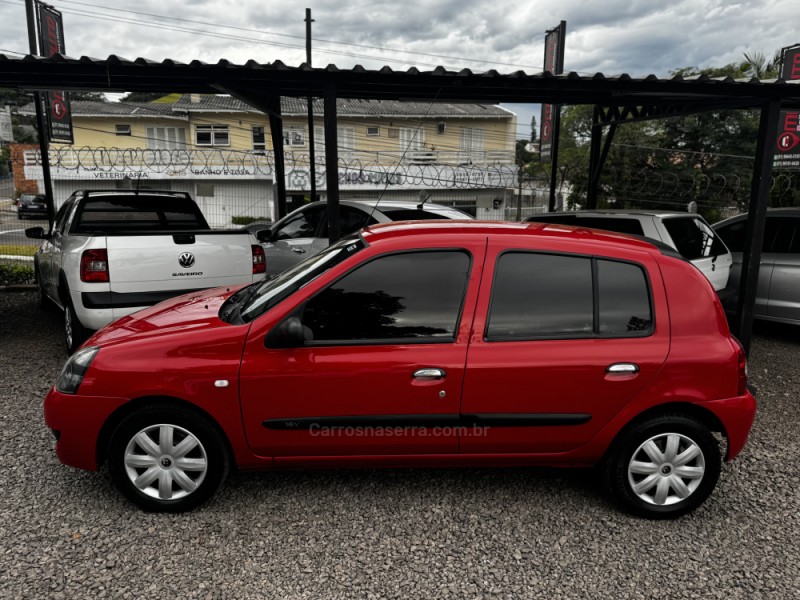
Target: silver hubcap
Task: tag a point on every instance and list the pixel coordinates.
(666, 469)
(165, 462)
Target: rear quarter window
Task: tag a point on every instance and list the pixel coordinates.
(693, 238)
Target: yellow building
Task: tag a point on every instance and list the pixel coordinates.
(220, 151)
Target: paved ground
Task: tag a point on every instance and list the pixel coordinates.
(389, 534)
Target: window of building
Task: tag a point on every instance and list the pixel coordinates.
(471, 144)
(120, 129)
(166, 138)
(393, 133)
(294, 135)
(346, 142)
(414, 297)
(552, 296)
(259, 140)
(373, 130)
(212, 135)
(412, 141)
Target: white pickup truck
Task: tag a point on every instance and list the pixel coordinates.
(111, 253)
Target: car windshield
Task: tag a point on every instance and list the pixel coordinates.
(259, 298)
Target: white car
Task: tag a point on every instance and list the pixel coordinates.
(688, 233)
(111, 253)
(304, 232)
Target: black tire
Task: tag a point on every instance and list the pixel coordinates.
(44, 302)
(651, 474)
(184, 424)
(74, 332)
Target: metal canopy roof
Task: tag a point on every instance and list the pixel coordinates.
(142, 75)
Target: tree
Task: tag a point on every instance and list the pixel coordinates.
(522, 155)
(667, 163)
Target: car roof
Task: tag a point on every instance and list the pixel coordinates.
(376, 233)
(787, 210)
(621, 213)
(383, 204)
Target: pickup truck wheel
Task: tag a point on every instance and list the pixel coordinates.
(74, 333)
(167, 459)
(41, 296)
(663, 467)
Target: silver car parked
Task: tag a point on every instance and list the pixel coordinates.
(304, 232)
(778, 294)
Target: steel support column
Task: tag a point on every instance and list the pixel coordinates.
(756, 220)
(276, 132)
(594, 159)
(332, 162)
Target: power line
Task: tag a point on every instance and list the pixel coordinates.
(148, 24)
(287, 35)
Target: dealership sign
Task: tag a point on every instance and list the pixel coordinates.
(553, 63)
(51, 42)
(787, 147)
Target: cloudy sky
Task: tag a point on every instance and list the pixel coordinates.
(637, 37)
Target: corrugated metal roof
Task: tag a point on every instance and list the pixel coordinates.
(289, 106)
(348, 107)
(439, 84)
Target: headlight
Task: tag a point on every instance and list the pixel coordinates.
(72, 374)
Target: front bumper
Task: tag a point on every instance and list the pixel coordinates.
(77, 422)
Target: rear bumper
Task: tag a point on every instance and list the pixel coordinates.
(101, 300)
(736, 415)
(76, 422)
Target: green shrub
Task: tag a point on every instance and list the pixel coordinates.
(16, 274)
(242, 220)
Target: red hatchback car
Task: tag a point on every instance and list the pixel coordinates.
(435, 344)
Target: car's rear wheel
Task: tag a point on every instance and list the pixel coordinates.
(167, 459)
(74, 332)
(663, 467)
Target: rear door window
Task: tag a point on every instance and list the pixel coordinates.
(787, 240)
(552, 296)
(734, 234)
(350, 220)
(693, 238)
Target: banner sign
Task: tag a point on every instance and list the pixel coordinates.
(787, 150)
(51, 42)
(553, 63)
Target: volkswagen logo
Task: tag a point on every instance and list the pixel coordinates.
(186, 260)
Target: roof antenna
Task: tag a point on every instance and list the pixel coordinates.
(423, 198)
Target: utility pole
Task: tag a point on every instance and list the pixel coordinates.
(44, 149)
(312, 171)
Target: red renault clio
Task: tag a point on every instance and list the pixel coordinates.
(424, 344)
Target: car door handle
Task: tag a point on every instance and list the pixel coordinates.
(622, 369)
(430, 374)
(298, 251)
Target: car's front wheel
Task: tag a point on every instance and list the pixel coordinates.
(663, 467)
(167, 459)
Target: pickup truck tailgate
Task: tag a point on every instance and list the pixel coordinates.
(181, 261)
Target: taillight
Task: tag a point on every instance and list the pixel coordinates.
(259, 260)
(94, 265)
(742, 368)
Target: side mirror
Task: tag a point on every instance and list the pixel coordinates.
(289, 334)
(265, 235)
(36, 233)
